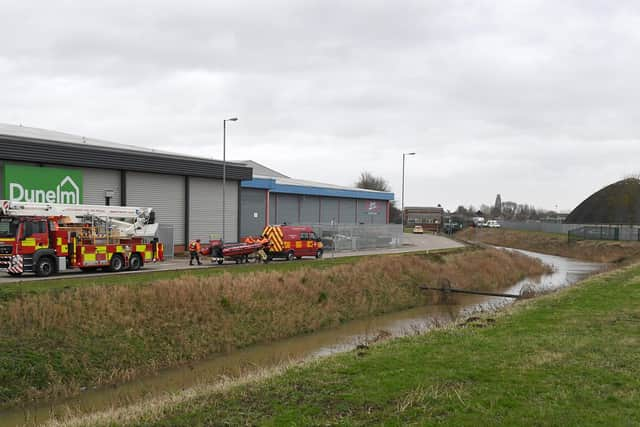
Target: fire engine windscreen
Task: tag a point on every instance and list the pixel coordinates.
(8, 227)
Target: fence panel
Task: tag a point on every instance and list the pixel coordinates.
(357, 237)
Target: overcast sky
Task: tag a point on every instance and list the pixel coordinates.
(537, 101)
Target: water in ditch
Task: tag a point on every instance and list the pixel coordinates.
(318, 344)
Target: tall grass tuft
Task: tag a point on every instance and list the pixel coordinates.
(58, 342)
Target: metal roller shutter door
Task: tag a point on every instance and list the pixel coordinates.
(309, 210)
(287, 209)
(205, 209)
(372, 211)
(347, 211)
(252, 211)
(163, 193)
(329, 210)
(272, 208)
(96, 181)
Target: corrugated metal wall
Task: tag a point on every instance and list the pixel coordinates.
(205, 209)
(329, 210)
(347, 211)
(298, 209)
(273, 200)
(252, 211)
(163, 193)
(309, 210)
(372, 211)
(287, 209)
(96, 181)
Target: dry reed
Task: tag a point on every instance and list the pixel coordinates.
(108, 334)
(556, 244)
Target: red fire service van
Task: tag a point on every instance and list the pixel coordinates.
(292, 241)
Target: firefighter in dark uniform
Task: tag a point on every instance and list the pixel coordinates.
(194, 250)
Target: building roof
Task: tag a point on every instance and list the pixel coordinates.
(21, 143)
(424, 209)
(261, 170)
(618, 203)
(280, 183)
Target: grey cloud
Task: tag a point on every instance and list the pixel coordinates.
(529, 99)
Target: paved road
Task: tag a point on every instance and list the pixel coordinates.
(412, 243)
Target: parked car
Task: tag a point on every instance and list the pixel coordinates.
(418, 229)
(492, 223)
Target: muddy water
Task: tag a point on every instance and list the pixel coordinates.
(323, 343)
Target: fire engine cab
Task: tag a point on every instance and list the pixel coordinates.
(47, 238)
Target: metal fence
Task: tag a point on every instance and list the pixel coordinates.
(604, 232)
(579, 231)
(357, 237)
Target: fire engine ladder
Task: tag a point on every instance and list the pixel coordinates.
(117, 216)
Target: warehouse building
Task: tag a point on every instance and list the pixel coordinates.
(185, 192)
(274, 198)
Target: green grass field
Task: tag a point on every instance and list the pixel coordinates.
(566, 359)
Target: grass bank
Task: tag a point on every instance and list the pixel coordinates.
(55, 343)
(30, 285)
(621, 252)
(565, 359)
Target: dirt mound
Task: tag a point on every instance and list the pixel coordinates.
(618, 203)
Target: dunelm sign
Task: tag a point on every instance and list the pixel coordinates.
(42, 184)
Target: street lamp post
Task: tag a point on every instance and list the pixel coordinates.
(404, 155)
(224, 169)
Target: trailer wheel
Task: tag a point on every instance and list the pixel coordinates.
(135, 262)
(291, 256)
(117, 263)
(319, 253)
(44, 267)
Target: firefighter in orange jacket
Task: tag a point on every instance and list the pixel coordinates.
(194, 250)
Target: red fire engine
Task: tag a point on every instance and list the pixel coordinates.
(48, 238)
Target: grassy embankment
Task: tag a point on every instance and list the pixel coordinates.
(621, 252)
(29, 285)
(54, 343)
(569, 358)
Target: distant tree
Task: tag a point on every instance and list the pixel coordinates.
(462, 211)
(368, 181)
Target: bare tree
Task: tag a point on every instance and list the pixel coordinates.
(368, 181)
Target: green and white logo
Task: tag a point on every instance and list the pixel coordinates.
(42, 184)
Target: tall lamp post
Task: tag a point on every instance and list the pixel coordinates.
(224, 169)
(404, 155)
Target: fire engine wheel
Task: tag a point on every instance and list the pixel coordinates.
(117, 263)
(290, 256)
(44, 267)
(135, 262)
(220, 261)
(319, 253)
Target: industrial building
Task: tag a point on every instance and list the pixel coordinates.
(429, 217)
(185, 191)
(274, 198)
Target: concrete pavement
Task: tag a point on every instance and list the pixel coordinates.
(412, 243)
